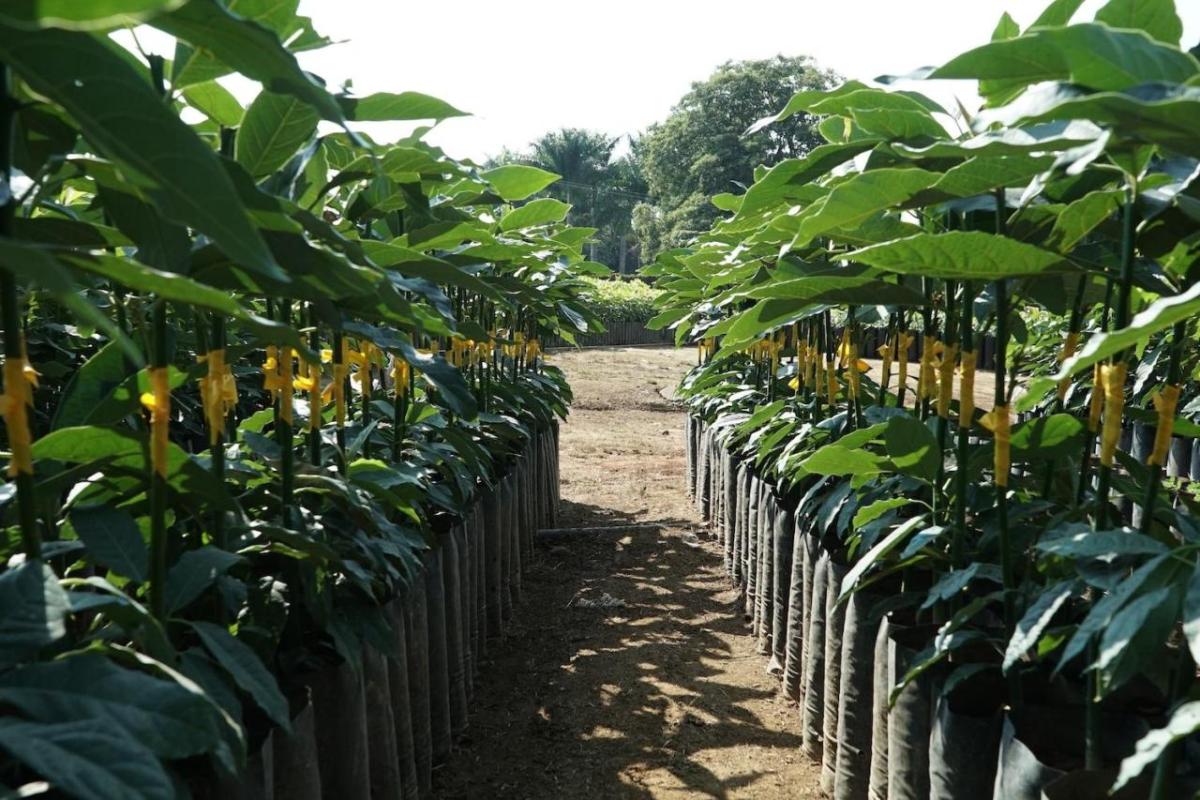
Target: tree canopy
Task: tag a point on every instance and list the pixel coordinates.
(702, 149)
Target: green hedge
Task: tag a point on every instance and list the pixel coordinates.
(621, 300)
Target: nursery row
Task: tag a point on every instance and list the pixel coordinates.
(277, 419)
(1022, 567)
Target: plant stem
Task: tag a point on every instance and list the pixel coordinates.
(218, 449)
(283, 425)
(10, 310)
(964, 431)
(158, 483)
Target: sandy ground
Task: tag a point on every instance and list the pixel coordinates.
(627, 672)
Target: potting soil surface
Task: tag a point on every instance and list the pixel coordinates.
(627, 671)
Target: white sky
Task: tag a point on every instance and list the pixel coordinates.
(523, 67)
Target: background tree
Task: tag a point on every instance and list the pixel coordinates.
(601, 184)
(700, 149)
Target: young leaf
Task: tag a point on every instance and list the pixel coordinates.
(517, 181)
(275, 127)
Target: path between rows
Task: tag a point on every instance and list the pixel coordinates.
(627, 672)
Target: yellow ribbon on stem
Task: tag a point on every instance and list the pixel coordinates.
(1165, 403)
(998, 422)
(158, 402)
(20, 378)
(1112, 379)
(1070, 345)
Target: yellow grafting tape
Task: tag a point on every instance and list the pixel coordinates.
(158, 402)
(927, 377)
(966, 391)
(998, 422)
(271, 380)
(1165, 403)
(1112, 378)
(1096, 403)
(1070, 345)
(19, 380)
(946, 380)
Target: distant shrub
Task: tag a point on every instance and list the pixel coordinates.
(618, 300)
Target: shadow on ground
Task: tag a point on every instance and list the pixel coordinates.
(611, 682)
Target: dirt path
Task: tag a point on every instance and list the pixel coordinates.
(660, 695)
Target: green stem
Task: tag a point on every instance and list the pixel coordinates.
(314, 432)
(10, 310)
(283, 430)
(218, 449)
(964, 435)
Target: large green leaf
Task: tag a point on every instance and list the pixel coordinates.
(407, 261)
(835, 459)
(912, 447)
(536, 212)
(858, 198)
(1156, 17)
(275, 127)
(89, 385)
(402, 106)
(193, 573)
(776, 185)
(113, 539)
(1154, 113)
(215, 102)
(169, 719)
(803, 101)
(961, 255)
(88, 759)
(218, 35)
(517, 181)
(1132, 639)
(35, 610)
(125, 120)
(247, 671)
(92, 15)
(1089, 54)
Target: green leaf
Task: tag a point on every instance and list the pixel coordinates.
(1151, 113)
(961, 255)
(875, 510)
(89, 385)
(215, 102)
(88, 759)
(414, 263)
(402, 106)
(1081, 217)
(35, 610)
(853, 201)
(1030, 628)
(93, 15)
(113, 539)
(1088, 54)
(1058, 13)
(1051, 437)
(193, 573)
(536, 212)
(247, 671)
(834, 459)
(1104, 546)
(235, 44)
(1155, 17)
(275, 127)
(517, 181)
(805, 100)
(1191, 613)
(1184, 721)
(1134, 636)
(125, 120)
(912, 447)
(791, 174)
(885, 546)
(168, 718)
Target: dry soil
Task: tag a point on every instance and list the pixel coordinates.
(627, 671)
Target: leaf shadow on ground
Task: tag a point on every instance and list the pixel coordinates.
(610, 682)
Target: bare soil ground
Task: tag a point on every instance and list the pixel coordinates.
(627, 672)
